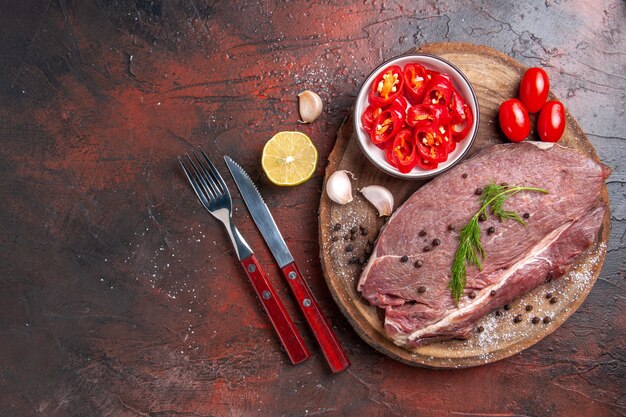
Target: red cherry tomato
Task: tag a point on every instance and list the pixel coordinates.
(533, 90)
(551, 122)
(514, 120)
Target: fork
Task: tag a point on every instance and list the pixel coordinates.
(214, 195)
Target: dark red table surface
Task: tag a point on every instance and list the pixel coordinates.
(120, 296)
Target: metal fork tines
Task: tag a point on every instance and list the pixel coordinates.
(213, 193)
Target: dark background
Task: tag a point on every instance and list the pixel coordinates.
(120, 296)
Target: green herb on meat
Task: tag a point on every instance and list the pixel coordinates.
(470, 250)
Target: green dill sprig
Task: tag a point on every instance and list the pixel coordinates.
(471, 250)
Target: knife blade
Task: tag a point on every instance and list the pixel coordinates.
(326, 338)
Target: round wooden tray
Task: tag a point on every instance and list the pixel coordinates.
(495, 78)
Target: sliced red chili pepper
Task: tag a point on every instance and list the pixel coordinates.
(431, 143)
(439, 90)
(403, 102)
(369, 117)
(420, 114)
(462, 118)
(415, 81)
(385, 127)
(425, 163)
(387, 86)
(447, 138)
(431, 73)
(402, 153)
(399, 108)
(441, 113)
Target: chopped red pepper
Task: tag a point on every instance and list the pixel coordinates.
(385, 127)
(387, 86)
(423, 133)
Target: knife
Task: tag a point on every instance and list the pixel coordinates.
(335, 355)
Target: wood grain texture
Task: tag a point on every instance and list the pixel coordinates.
(121, 296)
(494, 76)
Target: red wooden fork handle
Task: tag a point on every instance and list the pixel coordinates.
(286, 330)
(335, 356)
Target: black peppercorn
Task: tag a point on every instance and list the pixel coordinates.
(472, 294)
(529, 308)
(436, 242)
(450, 227)
(346, 236)
(547, 319)
(353, 260)
(422, 233)
(536, 320)
(482, 217)
(337, 226)
(426, 249)
(492, 293)
(418, 263)
(368, 250)
(507, 307)
(354, 229)
(498, 313)
(421, 289)
(478, 191)
(364, 231)
(526, 215)
(491, 230)
(553, 300)
(334, 239)
(352, 237)
(517, 318)
(349, 248)
(549, 295)
(404, 258)
(480, 329)
(464, 175)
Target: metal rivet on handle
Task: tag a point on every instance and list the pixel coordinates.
(251, 268)
(292, 275)
(266, 295)
(306, 302)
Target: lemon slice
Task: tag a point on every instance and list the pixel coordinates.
(289, 158)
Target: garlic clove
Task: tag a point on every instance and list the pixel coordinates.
(380, 197)
(310, 106)
(339, 187)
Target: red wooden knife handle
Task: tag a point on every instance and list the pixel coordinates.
(335, 356)
(286, 330)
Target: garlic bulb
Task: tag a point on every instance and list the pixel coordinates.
(310, 106)
(339, 187)
(380, 197)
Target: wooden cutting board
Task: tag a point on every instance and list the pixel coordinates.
(495, 77)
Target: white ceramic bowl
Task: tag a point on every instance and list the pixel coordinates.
(459, 81)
